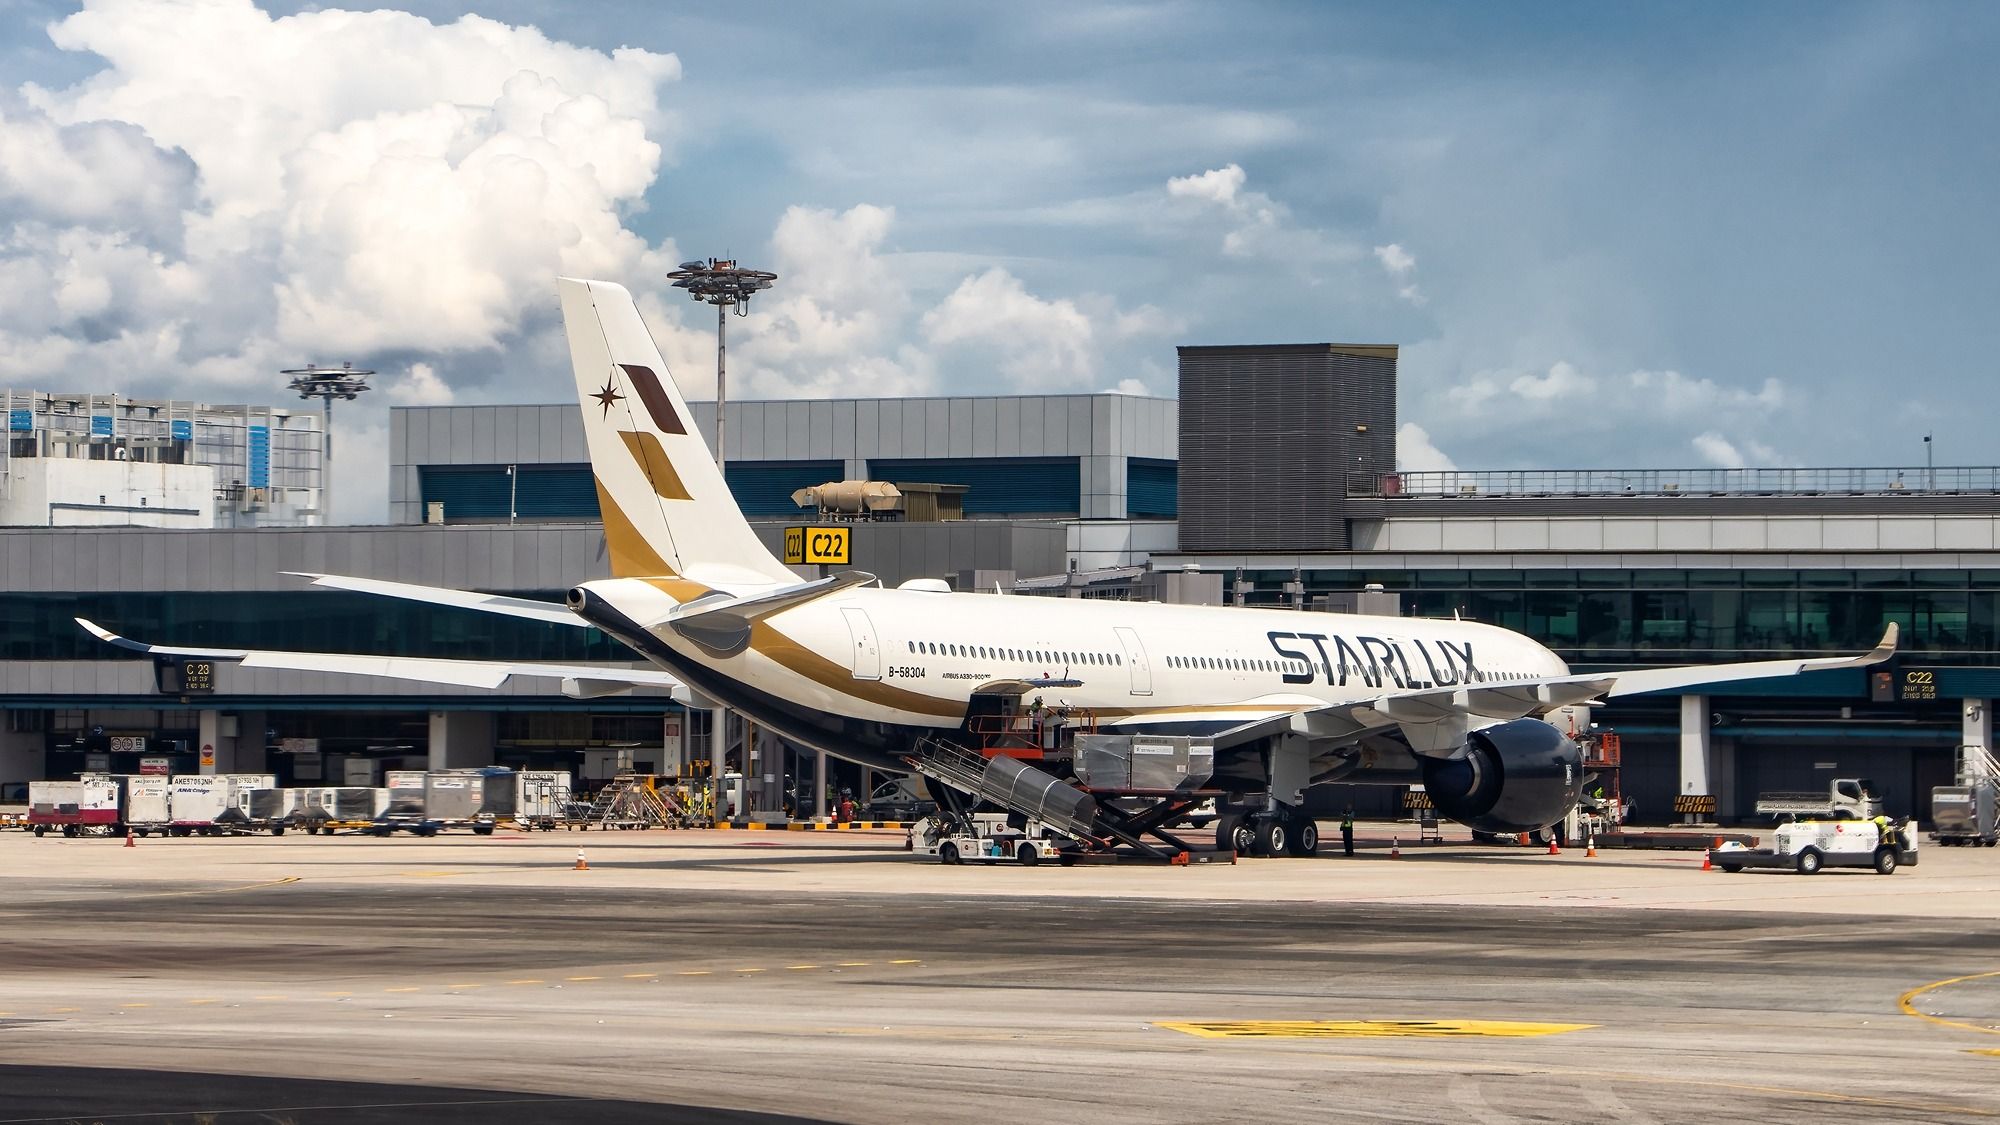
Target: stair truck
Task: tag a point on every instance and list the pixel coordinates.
(1807, 846)
(990, 838)
(91, 806)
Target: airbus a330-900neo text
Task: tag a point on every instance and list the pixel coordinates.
(871, 674)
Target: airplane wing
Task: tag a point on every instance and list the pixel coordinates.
(580, 681)
(1435, 719)
(552, 612)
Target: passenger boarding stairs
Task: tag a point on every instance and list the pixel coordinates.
(1977, 766)
(631, 800)
(1059, 804)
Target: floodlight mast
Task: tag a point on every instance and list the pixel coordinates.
(326, 384)
(726, 285)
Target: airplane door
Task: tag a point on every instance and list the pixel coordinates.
(867, 651)
(1135, 659)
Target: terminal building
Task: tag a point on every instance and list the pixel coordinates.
(1271, 480)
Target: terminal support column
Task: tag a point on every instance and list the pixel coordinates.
(459, 739)
(1978, 723)
(1696, 751)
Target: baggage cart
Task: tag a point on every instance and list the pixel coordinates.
(91, 806)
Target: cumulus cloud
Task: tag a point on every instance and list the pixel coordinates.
(1719, 451)
(1402, 268)
(1416, 453)
(1252, 224)
(232, 192)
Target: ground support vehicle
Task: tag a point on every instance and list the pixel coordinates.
(990, 838)
(1847, 796)
(542, 799)
(205, 804)
(264, 810)
(328, 809)
(149, 804)
(1807, 846)
(405, 810)
(479, 799)
(92, 806)
(1967, 813)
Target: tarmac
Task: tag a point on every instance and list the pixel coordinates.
(748, 977)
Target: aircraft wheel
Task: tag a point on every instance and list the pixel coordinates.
(1273, 836)
(1305, 837)
(1234, 834)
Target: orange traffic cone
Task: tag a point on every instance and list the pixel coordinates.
(1395, 847)
(1706, 863)
(1590, 846)
(128, 838)
(1553, 850)
(1522, 840)
(580, 864)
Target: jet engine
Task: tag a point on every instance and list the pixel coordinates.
(1519, 776)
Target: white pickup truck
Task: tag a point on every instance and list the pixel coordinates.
(1847, 796)
(1806, 846)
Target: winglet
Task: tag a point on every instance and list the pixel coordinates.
(1887, 648)
(109, 637)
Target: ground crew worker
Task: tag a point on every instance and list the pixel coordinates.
(1347, 833)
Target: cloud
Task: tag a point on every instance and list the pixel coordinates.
(1416, 453)
(1402, 267)
(1217, 185)
(230, 193)
(420, 387)
(1721, 452)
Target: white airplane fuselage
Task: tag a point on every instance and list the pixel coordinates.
(912, 660)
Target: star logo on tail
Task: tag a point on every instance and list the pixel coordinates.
(607, 396)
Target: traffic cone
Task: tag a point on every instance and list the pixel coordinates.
(1553, 850)
(1706, 863)
(1522, 840)
(1395, 848)
(580, 864)
(1590, 846)
(128, 838)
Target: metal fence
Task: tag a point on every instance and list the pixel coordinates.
(1457, 484)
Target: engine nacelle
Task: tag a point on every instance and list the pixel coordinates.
(1520, 776)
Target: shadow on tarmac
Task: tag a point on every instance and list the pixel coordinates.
(68, 1094)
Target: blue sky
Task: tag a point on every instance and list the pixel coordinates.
(1605, 235)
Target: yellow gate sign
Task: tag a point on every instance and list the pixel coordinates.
(829, 546)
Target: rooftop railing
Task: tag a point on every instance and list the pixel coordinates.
(1457, 484)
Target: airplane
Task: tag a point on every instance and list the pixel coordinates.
(876, 675)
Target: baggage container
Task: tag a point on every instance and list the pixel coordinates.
(478, 798)
(94, 804)
(148, 801)
(333, 807)
(541, 798)
(1144, 763)
(198, 803)
(266, 810)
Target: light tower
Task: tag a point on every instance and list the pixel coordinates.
(724, 284)
(326, 384)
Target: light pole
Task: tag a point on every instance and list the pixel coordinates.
(724, 284)
(326, 384)
(1930, 464)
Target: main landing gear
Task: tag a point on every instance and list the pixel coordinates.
(1286, 832)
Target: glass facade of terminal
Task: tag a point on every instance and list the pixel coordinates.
(1660, 616)
(1590, 616)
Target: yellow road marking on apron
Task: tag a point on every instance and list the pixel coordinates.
(1907, 1002)
(1367, 1029)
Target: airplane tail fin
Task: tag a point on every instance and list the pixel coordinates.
(667, 511)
